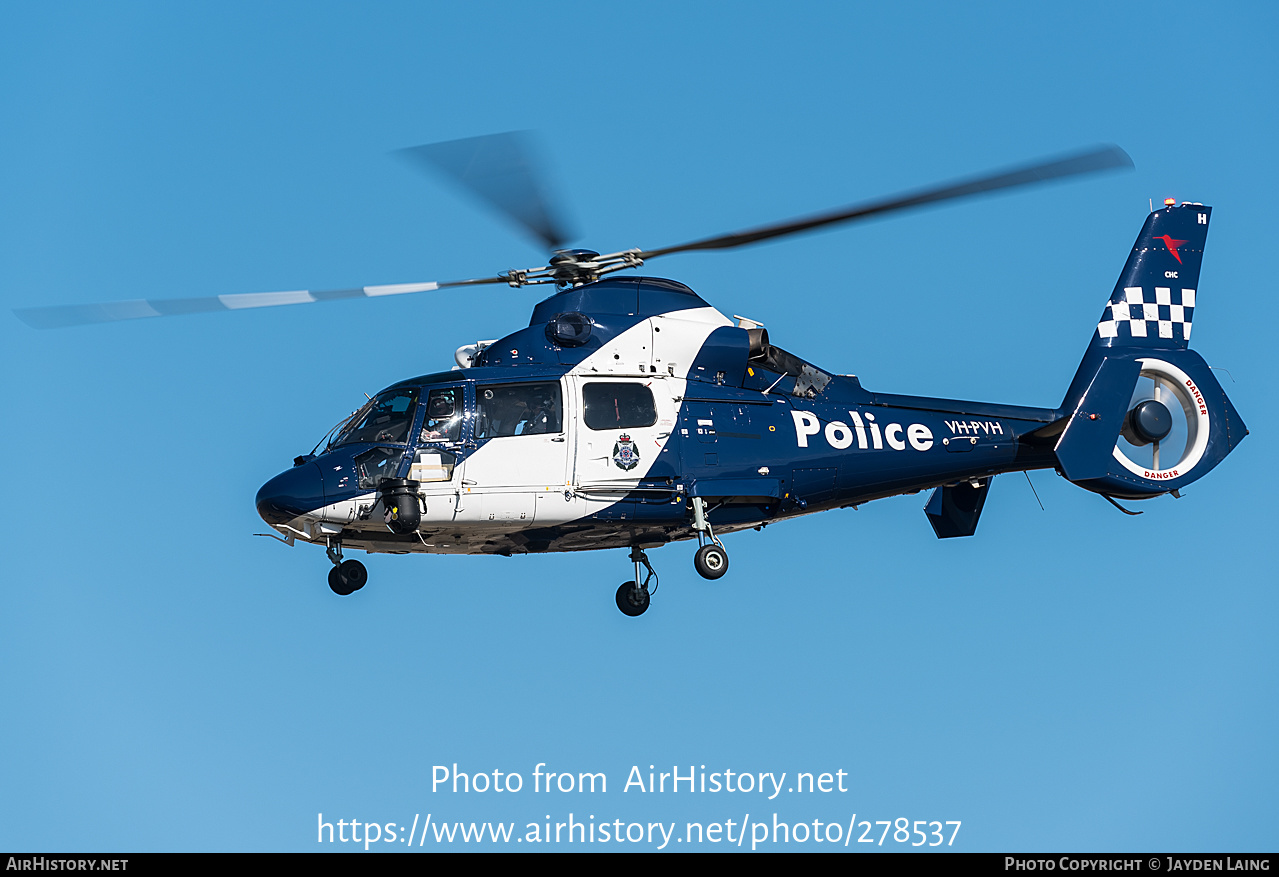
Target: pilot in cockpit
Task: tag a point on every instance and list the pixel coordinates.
(443, 421)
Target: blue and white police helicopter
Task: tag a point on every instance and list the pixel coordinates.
(631, 413)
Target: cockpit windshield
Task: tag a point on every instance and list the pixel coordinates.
(386, 418)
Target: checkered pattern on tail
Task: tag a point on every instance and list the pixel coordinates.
(1159, 314)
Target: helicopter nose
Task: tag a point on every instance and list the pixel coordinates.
(292, 493)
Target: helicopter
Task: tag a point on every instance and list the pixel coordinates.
(630, 413)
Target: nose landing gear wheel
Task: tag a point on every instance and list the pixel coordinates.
(711, 561)
(348, 578)
(632, 600)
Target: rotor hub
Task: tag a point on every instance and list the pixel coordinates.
(574, 267)
(1148, 421)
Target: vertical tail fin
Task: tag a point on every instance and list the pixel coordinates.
(1146, 415)
(1154, 301)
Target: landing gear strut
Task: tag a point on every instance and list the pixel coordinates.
(711, 560)
(632, 597)
(347, 576)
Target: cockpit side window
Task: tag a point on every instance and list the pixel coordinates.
(377, 464)
(432, 464)
(443, 419)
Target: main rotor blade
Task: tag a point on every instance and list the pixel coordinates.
(1102, 158)
(61, 316)
(502, 170)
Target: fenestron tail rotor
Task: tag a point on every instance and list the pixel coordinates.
(1162, 428)
(1149, 424)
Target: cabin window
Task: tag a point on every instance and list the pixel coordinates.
(618, 406)
(518, 409)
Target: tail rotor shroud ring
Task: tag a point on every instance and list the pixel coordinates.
(1190, 404)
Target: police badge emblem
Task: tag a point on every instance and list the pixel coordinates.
(624, 453)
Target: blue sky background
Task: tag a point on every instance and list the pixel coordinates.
(1068, 679)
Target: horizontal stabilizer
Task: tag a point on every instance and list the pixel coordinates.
(954, 510)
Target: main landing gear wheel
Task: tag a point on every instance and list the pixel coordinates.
(632, 600)
(348, 578)
(711, 561)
